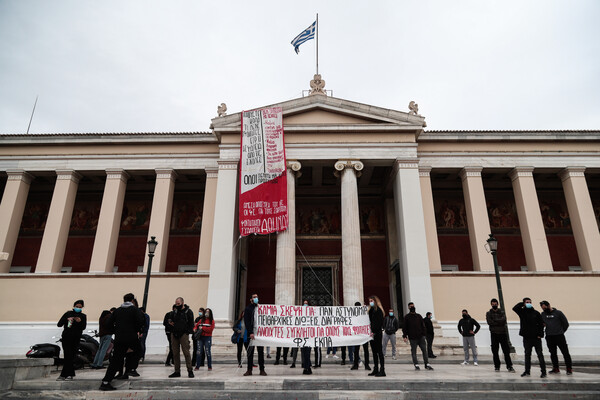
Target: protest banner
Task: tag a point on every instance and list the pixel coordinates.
(306, 326)
(263, 178)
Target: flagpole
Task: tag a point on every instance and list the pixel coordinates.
(317, 43)
(32, 112)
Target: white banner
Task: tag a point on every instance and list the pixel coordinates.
(306, 326)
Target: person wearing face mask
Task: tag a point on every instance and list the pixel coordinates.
(532, 331)
(556, 325)
(197, 363)
(74, 322)
(167, 325)
(251, 327)
(376, 320)
(468, 328)
(356, 350)
(205, 326)
(496, 320)
(182, 324)
(429, 334)
(413, 330)
(390, 327)
(239, 329)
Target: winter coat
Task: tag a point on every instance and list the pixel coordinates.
(126, 321)
(496, 320)
(555, 321)
(468, 324)
(249, 318)
(532, 325)
(105, 328)
(168, 316)
(428, 327)
(183, 321)
(414, 326)
(206, 330)
(76, 329)
(376, 318)
(390, 325)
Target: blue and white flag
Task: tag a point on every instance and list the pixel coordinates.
(307, 34)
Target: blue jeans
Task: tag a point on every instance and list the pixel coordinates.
(104, 343)
(204, 345)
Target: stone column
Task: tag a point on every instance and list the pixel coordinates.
(160, 217)
(477, 217)
(351, 250)
(11, 214)
(412, 236)
(109, 222)
(433, 247)
(583, 220)
(208, 218)
(223, 259)
(56, 233)
(285, 266)
(535, 244)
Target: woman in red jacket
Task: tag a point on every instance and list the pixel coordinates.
(205, 327)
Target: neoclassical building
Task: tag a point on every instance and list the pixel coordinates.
(377, 204)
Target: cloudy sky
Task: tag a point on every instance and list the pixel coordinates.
(164, 66)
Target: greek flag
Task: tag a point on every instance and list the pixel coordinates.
(307, 34)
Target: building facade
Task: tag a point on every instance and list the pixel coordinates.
(380, 204)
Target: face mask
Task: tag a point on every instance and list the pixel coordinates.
(372, 304)
(528, 305)
(199, 313)
(465, 316)
(411, 309)
(495, 307)
(255, 300)
(76, 309)
(391, 314)
(305, 305)
(179, 306)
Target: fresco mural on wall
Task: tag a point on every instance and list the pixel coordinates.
(502, 210)
(187, 215)
(326, 219)
(450, 212)
(554, 211)
(85, 217)
(35, 216)
(136, 215)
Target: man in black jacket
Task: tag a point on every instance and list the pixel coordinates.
(167, 325)
(468, 328)
(390, 327)
(127, 323)
(250, 324)
(532, 330)
(414, 330)
(556, 325)
(182, 325)
(496, 320)
(429, 334)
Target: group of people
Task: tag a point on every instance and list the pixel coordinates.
(551, 323)
(130, 324)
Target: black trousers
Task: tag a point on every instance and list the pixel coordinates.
(559, 341)
(118, 358)
(304, 355)
(69, 345)
(376, 346)
(528, 344)
(240, 344)
(430, 345)
(357, 357)
(318, 356)
(285, 354)
(343, 353)
(500, 340)
(294, 354)
(261, 357)
(170, 355)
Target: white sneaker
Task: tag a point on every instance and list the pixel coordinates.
(393, 357)
(334, 356)
(327, 356)
(361, 364)
(464, 363)
(475, 363)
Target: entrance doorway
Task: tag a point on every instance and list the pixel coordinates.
(317, 281)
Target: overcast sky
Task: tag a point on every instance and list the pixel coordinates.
(164, 66)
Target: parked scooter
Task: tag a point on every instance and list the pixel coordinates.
(46, 350)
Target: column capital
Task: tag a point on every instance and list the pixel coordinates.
(406, 163)
(294, 166)
(117, 173)
(19, 175)
(571, 172)
(519, 172)
(424, 170)
(341, 165)
(469, 171)
(228, 164)
(166, 173)
(68, 174)
(211, 172)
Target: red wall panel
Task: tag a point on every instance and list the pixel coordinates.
(456, 250)
(78, 253)
(563, 252)
(511, 255)
(182, 250)
(131, 251)
(27, 251)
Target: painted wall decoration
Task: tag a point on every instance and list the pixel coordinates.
(136, 215)
(502, 210)
(35, 216)
(450, 212)
(85, 216)
(371, 219)
(554, 211)
(187, 215)
(326, 219)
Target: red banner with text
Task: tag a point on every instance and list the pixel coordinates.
(263, 179)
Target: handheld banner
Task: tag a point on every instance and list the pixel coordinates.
(263, 179)
(305, 326)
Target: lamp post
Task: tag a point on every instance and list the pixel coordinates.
(493, 248)
(152, 243)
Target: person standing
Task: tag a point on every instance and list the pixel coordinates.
(556, 325)
(390, 327)
(250, 327)
(182, 325)
(532, 331)
(195, 361)
(144, 334)
(356, 350)
(239, 330)
(413, 330)
(105, 333)
(468, 328)
(74, 322)
(206, 326)
(429, 334)
(496, 320)
(376, 320)
(127, 322)
(167, 325)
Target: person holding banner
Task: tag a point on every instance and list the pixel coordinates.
(250, 323)
(356, 350)
(376, 319)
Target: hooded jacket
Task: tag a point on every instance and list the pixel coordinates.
(183, 321)
(532, 325)
(555, 321)
(414, 326)
(126, 321)
(496, 320)
(468, 324)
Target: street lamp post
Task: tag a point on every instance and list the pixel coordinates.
(493, 248)
(152, 243)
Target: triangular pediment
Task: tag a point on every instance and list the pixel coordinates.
(319, 112)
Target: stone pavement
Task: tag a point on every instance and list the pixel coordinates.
(449, 380)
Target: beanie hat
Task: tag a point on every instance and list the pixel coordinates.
(78, 302)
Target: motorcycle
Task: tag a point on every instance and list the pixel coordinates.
(46, 350)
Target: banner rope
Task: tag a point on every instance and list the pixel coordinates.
(316, 276)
